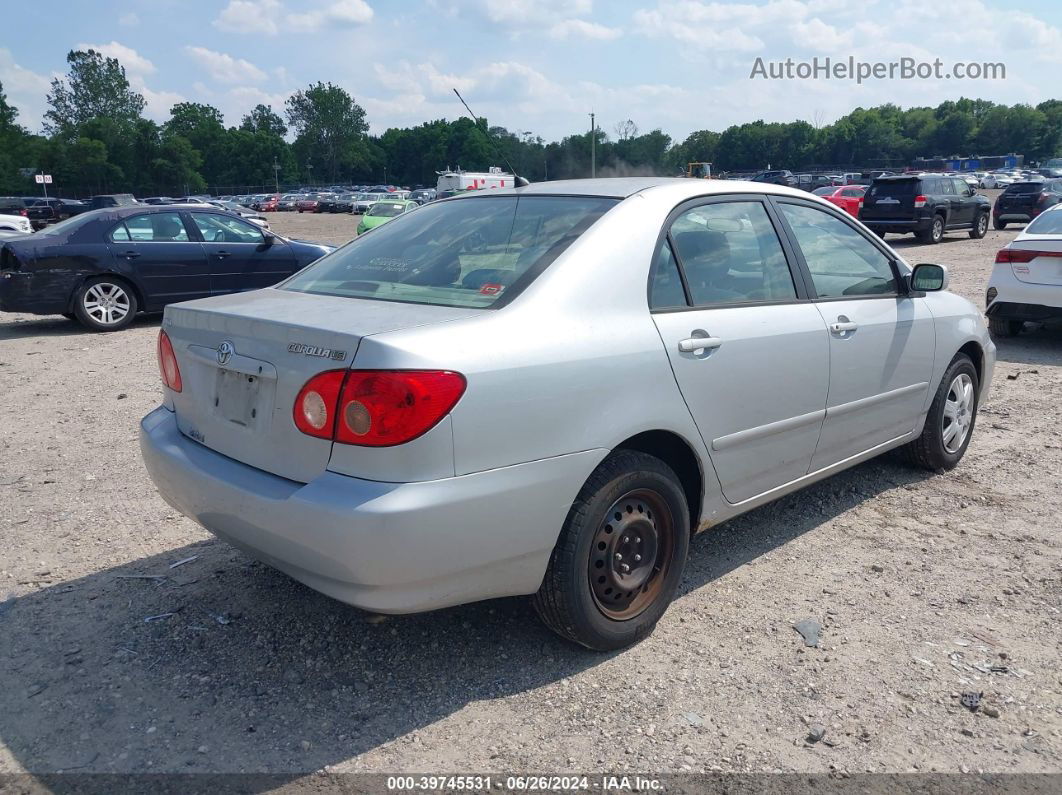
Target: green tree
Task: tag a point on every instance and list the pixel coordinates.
(330, 126)
(263, 119)
(203, 126)
(95, 87)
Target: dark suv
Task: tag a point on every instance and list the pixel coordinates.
(780, 177)
(111, 200)
(928, 205)
(1023, 201)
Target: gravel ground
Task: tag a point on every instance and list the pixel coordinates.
(925, 586)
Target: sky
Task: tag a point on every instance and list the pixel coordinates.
(538, 66)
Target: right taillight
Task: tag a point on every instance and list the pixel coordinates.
(168, 369)
(920, 201)
(1021, 255)
(376, 408)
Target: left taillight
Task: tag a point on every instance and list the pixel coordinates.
(168, 369)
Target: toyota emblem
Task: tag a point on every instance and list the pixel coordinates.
(225, 351)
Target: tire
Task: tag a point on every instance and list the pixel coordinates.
(1002, 327)
(935, 233)
(999, 224)
(578, 598)
(105, 304)
(954, 406)
(980, 227)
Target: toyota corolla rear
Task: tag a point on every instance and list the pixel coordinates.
(312, 424)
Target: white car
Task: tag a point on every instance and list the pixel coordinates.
(1031, 288)
(15, 223)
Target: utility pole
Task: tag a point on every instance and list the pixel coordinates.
(276, 173)
(309, 173)
(593, 152)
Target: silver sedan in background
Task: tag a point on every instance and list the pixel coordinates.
(546, 390)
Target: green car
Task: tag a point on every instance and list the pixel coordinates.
(383, 211)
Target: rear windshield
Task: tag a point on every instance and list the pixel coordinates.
(1046, 224)
(900, 187)
(1024, 188)
(386, 210)
(466, 252)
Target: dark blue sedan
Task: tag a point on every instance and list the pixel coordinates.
(104, 266)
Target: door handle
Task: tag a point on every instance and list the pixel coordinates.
(221, 254)
(131, 254)
(699, 343)
(843, 326)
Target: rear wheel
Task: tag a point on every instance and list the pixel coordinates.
(1002, 327)
(999, 224)
(105, 304)
(935, 233)
(950, 421)
(620, 555)
(980, 227)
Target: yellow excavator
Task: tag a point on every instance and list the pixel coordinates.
(699, 170)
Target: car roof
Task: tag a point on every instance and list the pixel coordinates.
(624, 187)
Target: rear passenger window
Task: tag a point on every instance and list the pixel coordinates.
(665, 289)
(730, 253)
(842, 262)
(156, 228)
(120, 234)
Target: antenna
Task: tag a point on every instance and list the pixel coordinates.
(519, 181)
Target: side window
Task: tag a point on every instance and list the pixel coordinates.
(226, 229)
(947, 187)
(156, 228)
(960, 186)
(730, 253)
(120, 234)
(842, 262)
(852, 193)
(665, 287)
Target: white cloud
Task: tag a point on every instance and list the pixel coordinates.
(539, 13)
(134, 62)
(580, 28)
(223, 67)
(129, 20)
(25, 89)
(250, 16)
(341, 13)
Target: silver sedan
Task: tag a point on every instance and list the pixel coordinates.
(546, 390)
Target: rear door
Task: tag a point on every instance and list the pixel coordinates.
(240, 254)
(882, 342)
(756, 386)
(960, 212)
(160, 252)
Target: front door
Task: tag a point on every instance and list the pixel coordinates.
(751, 358)
(156, 250)
(241, 257)
(882, 342)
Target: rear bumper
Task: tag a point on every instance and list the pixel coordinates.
(1018, 300)
(36, 293)
(898, 225)
(386, 547)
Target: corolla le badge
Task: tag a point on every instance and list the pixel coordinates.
(225, 351)
(317, 350)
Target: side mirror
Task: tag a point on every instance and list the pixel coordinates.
(929, 278)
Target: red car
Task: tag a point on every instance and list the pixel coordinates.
(847, 197)
(268, 204)
(310, 203)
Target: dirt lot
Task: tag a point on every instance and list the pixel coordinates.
(926, 586)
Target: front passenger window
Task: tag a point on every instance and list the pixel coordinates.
(842, 262)
(223, 229)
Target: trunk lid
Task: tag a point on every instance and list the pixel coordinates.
(237, 399)
(892, 199)
(1045, 267)
(1022, 196)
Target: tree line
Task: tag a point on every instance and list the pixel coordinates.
(95, 139)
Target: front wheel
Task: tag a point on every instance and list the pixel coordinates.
(620, 555)
(105, 304)
(980, 227)
(950, 421)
